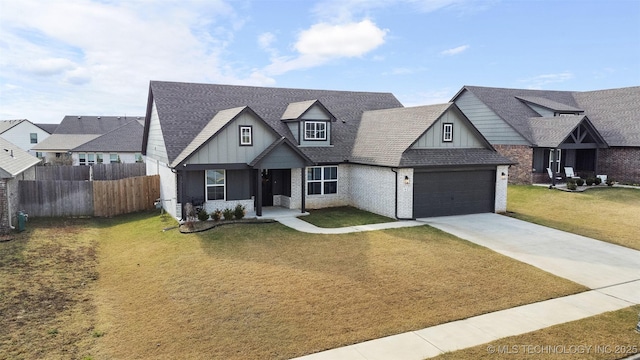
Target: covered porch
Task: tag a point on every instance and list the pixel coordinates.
(565, 142)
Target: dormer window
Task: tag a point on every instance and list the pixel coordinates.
(447, 132)
(246, 135)
(315, 130)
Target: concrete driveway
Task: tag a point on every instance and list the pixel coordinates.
(589, 262)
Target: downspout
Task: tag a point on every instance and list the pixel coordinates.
(396, 197)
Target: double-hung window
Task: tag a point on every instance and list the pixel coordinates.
(99, 158)
(215, 184)
(557, 155)
(447, 132)
(315, 130)
(91, 158)
(322, 180)
(33, 138)
(246, 135)
(114, 158)
(82, 159)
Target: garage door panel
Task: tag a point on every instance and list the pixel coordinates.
(453, 193)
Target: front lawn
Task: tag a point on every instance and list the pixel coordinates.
(606, 336)
(603, 213)
(336, 217)
(264, 291)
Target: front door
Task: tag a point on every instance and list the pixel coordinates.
(267, 188)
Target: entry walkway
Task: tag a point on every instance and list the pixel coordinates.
(613, 272)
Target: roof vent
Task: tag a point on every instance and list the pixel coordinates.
(98, 117)
(79, 117)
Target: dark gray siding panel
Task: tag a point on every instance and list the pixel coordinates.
(194, 186)
(238, 184)
(283, 157)
(494, 129)
(453, 193)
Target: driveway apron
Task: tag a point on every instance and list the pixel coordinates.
(587, 261)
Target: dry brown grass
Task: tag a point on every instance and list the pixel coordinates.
(47, 275)
(608, 214)
(268, 292)
(606, 336)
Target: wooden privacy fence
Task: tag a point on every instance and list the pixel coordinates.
(114, 171)
(53, 198)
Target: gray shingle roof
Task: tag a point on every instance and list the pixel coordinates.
(63, 142)
(450, 157)
(551, 131)
(549, 104)
(10, 166)
(73, 124)
(50, 128)
(505, 103)
(126, 138)
(185, 109)
(8, 124)
(615, 113)
(384, 135)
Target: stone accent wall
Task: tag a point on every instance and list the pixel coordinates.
(4, 208)
(519, 173)
(620, 163)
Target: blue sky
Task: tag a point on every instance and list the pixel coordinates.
(96, 57)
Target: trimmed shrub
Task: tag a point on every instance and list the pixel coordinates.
(239, 212)
(590, 181)
(216, 215)
(228, 214)
(202, 215)
(598, 180)
(571, 185)
(580, 182)
(610, 182)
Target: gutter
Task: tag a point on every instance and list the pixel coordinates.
(396, 198)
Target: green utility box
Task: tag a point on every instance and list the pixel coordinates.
(22, 221)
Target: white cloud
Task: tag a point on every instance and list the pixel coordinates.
(455, 51)
(84, 56)
(49, 66)
(324, 42)
(538, 82)
(341, 40)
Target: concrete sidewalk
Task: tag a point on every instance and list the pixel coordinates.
(612, 271)
(301, 225)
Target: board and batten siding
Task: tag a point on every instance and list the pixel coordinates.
(463, 134)
(492, 127)
(225, 147)
(156, 148)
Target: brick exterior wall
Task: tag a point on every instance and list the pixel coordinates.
(620, 163)
(519, 173)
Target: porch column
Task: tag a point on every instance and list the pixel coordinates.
(303, 193)
(259, 193)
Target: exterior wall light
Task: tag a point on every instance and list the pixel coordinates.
(406, 180)
(503, 176)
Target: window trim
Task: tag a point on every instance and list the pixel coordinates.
(447, 135)
(558, 159)
(240, 130)
(315, 130)
(322, 181)
(224, 185)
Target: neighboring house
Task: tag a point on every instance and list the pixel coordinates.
(221, 145)
(24, 133)
(595, 132)
(15, 164)
(85, 140)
